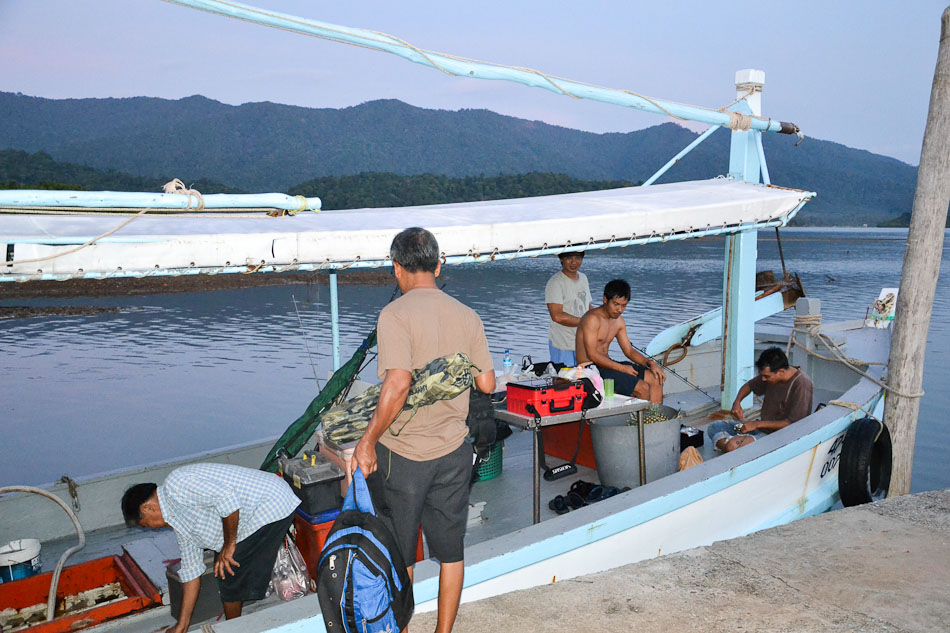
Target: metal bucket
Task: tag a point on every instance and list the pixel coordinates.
(19, 559)
(616, 448)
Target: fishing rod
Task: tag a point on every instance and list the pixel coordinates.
(306, 344)
(675, 373)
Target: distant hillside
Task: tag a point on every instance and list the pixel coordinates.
(266, 146)
(393, 190)
(903, 221)
(21, 170)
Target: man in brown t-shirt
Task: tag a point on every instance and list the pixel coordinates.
(787, 398)
(421, 467)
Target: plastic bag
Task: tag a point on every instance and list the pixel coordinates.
(690, 457)
(289, 579)
(584, 371)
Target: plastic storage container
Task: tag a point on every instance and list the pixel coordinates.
(491, 467)
(617, 449)
(315, 480)
(19, 559)
(549, 396)
(339, 454)
(312, 532)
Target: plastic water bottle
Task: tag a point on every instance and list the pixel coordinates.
(508, 364)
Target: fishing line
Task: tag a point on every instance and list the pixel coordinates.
(306, 344)
(675, 373)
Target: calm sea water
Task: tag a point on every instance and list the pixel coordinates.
(170, 375)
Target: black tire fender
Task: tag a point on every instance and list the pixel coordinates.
(864, 472)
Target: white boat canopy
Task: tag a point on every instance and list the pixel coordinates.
(45, 246)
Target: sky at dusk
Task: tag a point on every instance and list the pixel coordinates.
(857, 73)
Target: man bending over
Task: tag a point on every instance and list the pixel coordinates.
(240, 513)
(640, 377)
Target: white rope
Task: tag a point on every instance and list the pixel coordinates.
(177, 186)
(81, 246)
(811, 326)
(854, 406)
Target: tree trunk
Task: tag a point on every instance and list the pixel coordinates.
(919, 275)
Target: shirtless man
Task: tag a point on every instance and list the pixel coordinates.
(642, 378)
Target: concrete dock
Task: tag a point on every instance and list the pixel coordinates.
(879, 567)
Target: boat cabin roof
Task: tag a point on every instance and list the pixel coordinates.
(471, 231)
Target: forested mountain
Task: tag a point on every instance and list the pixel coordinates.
(266, 146)
(394, 190)
(22, 170)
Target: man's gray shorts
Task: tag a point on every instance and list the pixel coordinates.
(433, 492)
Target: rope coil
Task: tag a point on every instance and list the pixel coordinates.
(177, 186)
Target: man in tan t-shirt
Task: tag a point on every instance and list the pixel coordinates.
(418, 470)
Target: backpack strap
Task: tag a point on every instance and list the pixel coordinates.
(357, 496)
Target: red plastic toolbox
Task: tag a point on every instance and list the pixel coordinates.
(550, 396)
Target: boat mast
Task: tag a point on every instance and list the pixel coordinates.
(738, 286)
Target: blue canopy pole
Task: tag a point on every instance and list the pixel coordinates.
(738, 288)
(334, 321)
(462, 67)
(686, 150)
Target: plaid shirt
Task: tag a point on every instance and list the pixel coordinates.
(195, 498)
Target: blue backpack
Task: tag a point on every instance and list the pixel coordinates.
(362, 581)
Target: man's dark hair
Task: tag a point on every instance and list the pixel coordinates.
(416, 250)
(570, 253)
(617, 289)
(773, 358)
(132, 502)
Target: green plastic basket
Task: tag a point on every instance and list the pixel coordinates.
(491, 467)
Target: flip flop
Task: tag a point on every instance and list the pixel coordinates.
(582, 488)
(575, 500)
(559, 505)
(596, 494)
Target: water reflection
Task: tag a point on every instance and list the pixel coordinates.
(175, 374)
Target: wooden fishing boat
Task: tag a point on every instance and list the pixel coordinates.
(787, 475)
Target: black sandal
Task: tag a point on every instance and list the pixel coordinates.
(575, 500)
(559, 505)
(583, 488)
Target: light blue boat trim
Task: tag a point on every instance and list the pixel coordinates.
(334, 321)
(626, 519)
(820, 500)
(469, 68)
(33, 198)
(738, 279)
(708, 326)
(458, 259)
(765, 168)
(686, 150)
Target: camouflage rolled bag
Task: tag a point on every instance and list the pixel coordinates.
(444, 378)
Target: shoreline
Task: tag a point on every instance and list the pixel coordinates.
(140, 286)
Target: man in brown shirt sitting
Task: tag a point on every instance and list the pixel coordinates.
(787, 398)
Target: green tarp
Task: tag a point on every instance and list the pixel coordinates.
(299, 433)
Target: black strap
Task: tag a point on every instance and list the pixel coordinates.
(580, 434)
(557, 472)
